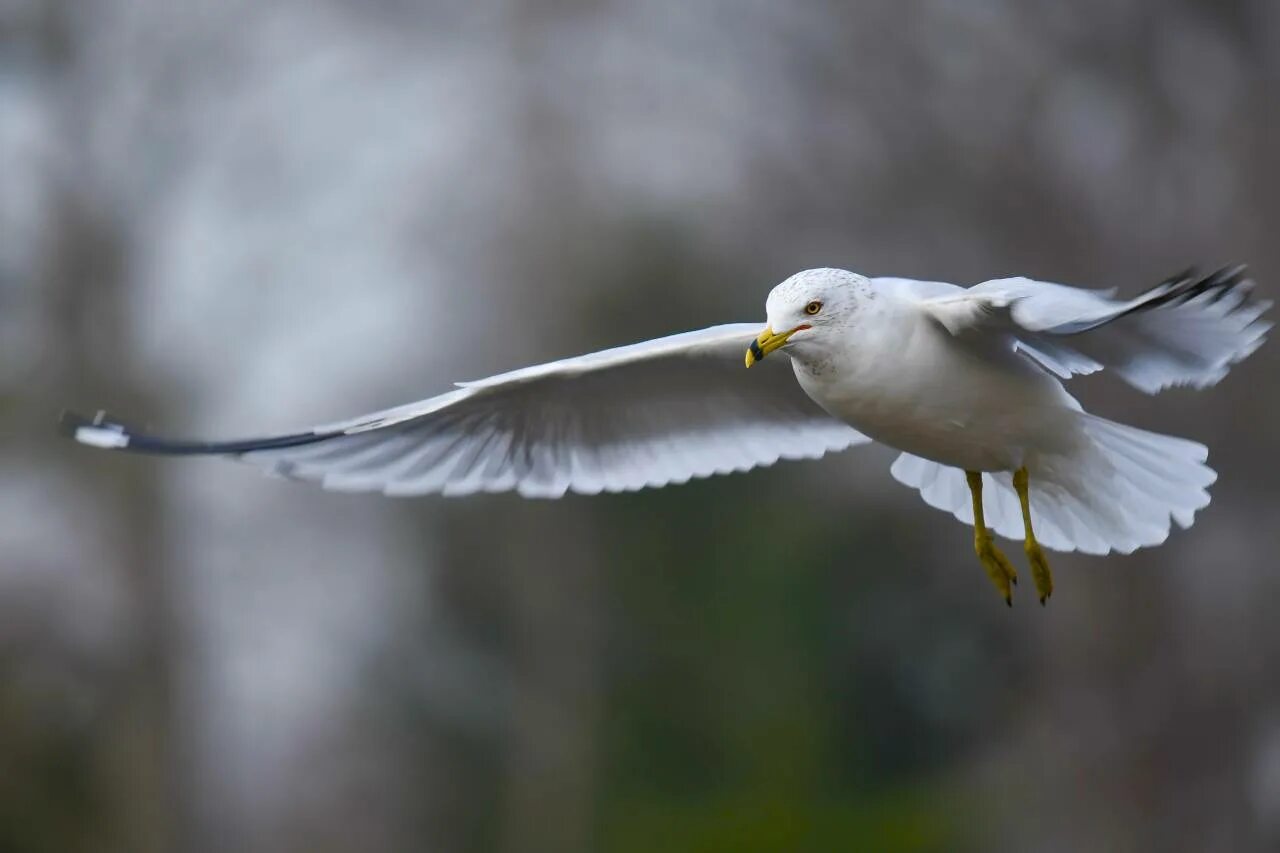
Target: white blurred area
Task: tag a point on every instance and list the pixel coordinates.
(226, 218)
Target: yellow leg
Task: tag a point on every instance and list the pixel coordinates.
(998, 567)
(1035, 554)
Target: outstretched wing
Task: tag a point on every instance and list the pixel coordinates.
(1188, 330)
(653, 413)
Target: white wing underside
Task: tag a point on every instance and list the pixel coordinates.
(1185, 331)
(650, 414)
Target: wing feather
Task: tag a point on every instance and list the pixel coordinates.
(648, 414)
(1188, 330)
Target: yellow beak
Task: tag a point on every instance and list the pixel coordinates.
(767, 342)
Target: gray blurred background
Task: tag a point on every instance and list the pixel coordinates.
(231, 217)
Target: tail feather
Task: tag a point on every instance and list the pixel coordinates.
(1120, 491)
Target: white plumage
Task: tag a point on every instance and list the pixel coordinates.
(957, 379)
(645, 415)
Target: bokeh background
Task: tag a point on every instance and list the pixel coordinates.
(238, 216)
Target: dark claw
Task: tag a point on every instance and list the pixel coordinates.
(1014, 579)
(1043, 599)
(1008, 599)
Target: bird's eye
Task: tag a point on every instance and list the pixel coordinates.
(813, 307)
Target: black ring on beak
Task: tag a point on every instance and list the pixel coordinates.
(756, 351)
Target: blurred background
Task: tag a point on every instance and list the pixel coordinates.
(231, 217)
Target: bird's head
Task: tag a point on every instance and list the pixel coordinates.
(809, 311)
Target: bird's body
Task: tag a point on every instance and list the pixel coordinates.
(983, 411)
(967, 383)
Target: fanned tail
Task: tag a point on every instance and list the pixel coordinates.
(1119, 491)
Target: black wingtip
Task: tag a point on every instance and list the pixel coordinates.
(106, 434)
(1189, 284)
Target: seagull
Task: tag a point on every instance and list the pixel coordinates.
(966, 383)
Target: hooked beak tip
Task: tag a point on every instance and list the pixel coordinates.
(768, 341)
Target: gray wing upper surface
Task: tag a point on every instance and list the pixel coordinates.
(1188, 330)
(649, 414)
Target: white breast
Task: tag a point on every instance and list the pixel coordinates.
(908, 384)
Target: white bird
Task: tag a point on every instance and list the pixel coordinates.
(967, 383)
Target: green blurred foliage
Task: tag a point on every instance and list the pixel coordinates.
(734, 721)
